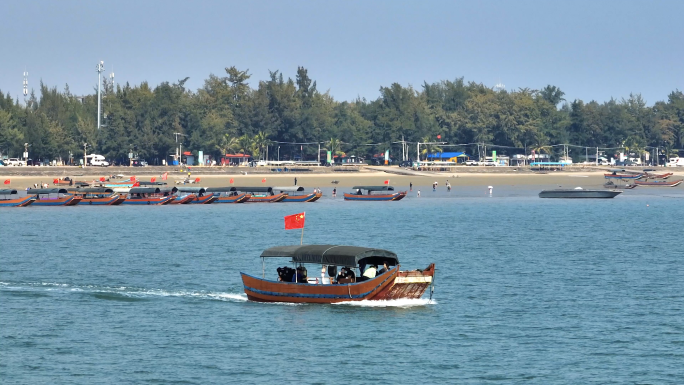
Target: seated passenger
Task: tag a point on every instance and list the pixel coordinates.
(370, 272)
(384, 269)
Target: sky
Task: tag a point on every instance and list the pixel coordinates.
(591, 50)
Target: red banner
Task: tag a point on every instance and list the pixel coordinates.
(102, 179)
(7, 181)
(136, 184)
(295, 221)
(133, 178)
(197, 180)
(153, 179)
(165, 175)
(55, 181)
(263, 180)
(387, 181)
(231, 181)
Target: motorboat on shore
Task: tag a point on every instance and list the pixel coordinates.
(618, 173)
(293, 196)
(14, 202)
(63, 198)
(648, 174)
(579, 192)
(228, 195)
(194, 195)
(387, 285)
(100, 196)
(658, 183)
(359, 196)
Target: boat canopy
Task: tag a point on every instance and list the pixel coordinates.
(100, 190)
(220, 189)
(650, 169)
(194, 190)
(144, 190)
(169, 190)
(36, 191)
(151, 183)
(7, 191)
(374, 188)
(332, 255)
(259, 189)
(289, 188)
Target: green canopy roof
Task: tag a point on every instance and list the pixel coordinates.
(7, 191)
(36, 191)
(101, 190)
(289, 188)
(195, 190)
(220, 189)
(259, 189)
(332, 255)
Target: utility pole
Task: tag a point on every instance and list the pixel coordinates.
(597, 156)
(100, 69)
(85, 157)
(319, 153)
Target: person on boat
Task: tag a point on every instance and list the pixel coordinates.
(370, 272)
(300, 276)
(325, 280)
(358, 191)
(384, 269)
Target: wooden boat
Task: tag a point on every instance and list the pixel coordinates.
(149, 196)
(98, 196)
(623, 174)
(658, 183)
(648, 175)
(63, 197)
(261, 194)
(358, 196)
(198, 195)
(15, 202)
(579, 192)
(610, 184)
(392, 284)
(292, 196)
(182, 199)
(228, 195)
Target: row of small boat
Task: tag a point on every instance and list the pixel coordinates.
(151, 193)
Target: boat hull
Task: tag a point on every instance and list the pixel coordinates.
(378, 197)
(181, 200)
(148, 201)
(576, 194)
(18, 202)
(204, 200)
(393, 284)
(113, 200)
(70, 200)
(313, 197)
(622, 176)
(241, 198)
(267, 198)
(658, 183)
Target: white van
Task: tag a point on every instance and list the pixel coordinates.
(97, 160)
(676, 162)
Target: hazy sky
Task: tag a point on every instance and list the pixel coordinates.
(590, 49)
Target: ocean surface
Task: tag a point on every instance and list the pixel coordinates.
(527, 290)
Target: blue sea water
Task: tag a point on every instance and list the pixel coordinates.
(528, 290)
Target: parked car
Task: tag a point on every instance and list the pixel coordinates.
(139, 163)
(15, 162)
(471, 162)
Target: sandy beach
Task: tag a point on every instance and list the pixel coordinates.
(21, 177)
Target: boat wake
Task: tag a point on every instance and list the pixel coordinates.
(400, 303)
(122, 292)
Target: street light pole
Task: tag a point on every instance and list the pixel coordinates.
(100, 68)
(85, 157)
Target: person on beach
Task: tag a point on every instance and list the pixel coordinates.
(334, 193)
(410, 186)
(295, 181)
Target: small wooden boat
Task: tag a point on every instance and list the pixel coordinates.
(198, 195)
(182, 199)
(63, 198)
(618, 173)
(15, 202)
(228, 195)
(658, 183)
(97, 196)
(390, 284)
(149, 196)
(261, 194)
(579, 192)
(292, 195)
(610, 184)
(358, 196)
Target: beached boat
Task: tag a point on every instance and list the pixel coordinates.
(14, 202)
(658, 183)
(149, 196)
(62, 197)
(293, 196)
(228, 195)
(97, 196)
(182, 199)
(261, 194)
(623, 174)
(648, 174)
(359, 196)
(579, 192)
(391, 284)
(612, 185)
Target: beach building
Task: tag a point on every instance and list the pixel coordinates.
(235, 159)
(455, 157)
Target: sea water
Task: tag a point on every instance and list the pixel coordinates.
(527, 290)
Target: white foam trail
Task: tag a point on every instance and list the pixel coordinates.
(401, 303)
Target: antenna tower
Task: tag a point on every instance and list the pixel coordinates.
(25, 84)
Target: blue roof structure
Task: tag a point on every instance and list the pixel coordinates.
(446, 155)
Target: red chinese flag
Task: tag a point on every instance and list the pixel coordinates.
(136, 184)
(153, 179)
(439, 136)
(387, 181)
(295, 221)
(7, 181)
(102, 179)
(165, 175)
(55, 181)
(231, 181)
(133, 178)
(263, 180)
(197, 180)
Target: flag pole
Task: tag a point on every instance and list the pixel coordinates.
(301, 241)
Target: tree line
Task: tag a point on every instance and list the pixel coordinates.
(230, 115)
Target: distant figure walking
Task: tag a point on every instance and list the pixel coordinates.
(490, 190)
(334, 192)
(418, 193)
(410, 186)
(434, 186)
(448, 186)
(295, 181)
